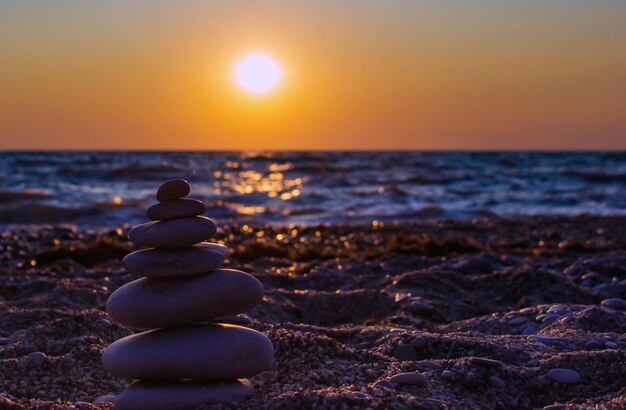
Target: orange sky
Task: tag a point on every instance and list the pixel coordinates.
(360, 74)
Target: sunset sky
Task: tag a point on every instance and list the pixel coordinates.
(356, 74)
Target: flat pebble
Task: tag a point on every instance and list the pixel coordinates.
(549, 319)
(611, 345)
(162, 302)
(181, 394)
(419, 342)
(555, 407)
(384, 384)
(497, 382)
(105, 398)
(594, 345)
(614, 303)
(173, 189)
(517, 321)
(530, 329)
(178, 208)
(429, 364)
(203, 352)
(35, 359)
(483, 361)
(564, 375)
(411, 378)
(175, 233)
(405, 352)
(158, 263)
(447, 375)
(549, 340)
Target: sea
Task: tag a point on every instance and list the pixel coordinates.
(309, 188)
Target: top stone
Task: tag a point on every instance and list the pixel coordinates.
(173, 189)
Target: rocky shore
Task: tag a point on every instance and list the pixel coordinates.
(483, 314)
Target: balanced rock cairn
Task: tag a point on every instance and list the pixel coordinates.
(191, 357)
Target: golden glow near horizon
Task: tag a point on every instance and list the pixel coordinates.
(224, 75)
(258, 73)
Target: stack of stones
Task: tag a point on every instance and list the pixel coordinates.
(192, 356)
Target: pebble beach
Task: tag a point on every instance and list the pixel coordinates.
(487, 313)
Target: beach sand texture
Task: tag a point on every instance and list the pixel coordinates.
(490, 314)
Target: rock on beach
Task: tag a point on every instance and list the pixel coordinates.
(161, 302)
(181, 394)
(175, 233)
(173, 189)
(203, 352)
(156, 263)
(178, 208)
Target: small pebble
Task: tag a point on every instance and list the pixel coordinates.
(611, 345)
(529, 330)
(384, 384)
(483, 361)
(614, 303)
(549, 319)
(594, 345)
(447, 375)
(555, 407)
(404, 353)
(35, 359)
(564, 375)
(429, 364)
(173, 189)
(411, 378)
(419, 342)
(496, 382)
(518, 321)
(105, 398)
(4, 341)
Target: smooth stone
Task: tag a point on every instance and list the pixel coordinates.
(158, 263)
(594, 345)
(242, 319)
(418, 342)
(178, 208)
(518, 321)
(555, 407)
(497, 382)
(173, 189)
(162, 302)
(201, 352)
(429, 364)
(549, 319)
(483, 361)
(614, 303)
(105, 398)
(181, 394)
(176, 233)
(386, 384)
(405, 352)
(564, 375)
(413, 379)
(35, 359)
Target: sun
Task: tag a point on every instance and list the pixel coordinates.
(258, 73)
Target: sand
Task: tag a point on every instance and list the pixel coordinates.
(339, 300)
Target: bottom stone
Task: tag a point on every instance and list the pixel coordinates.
(181, 394)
